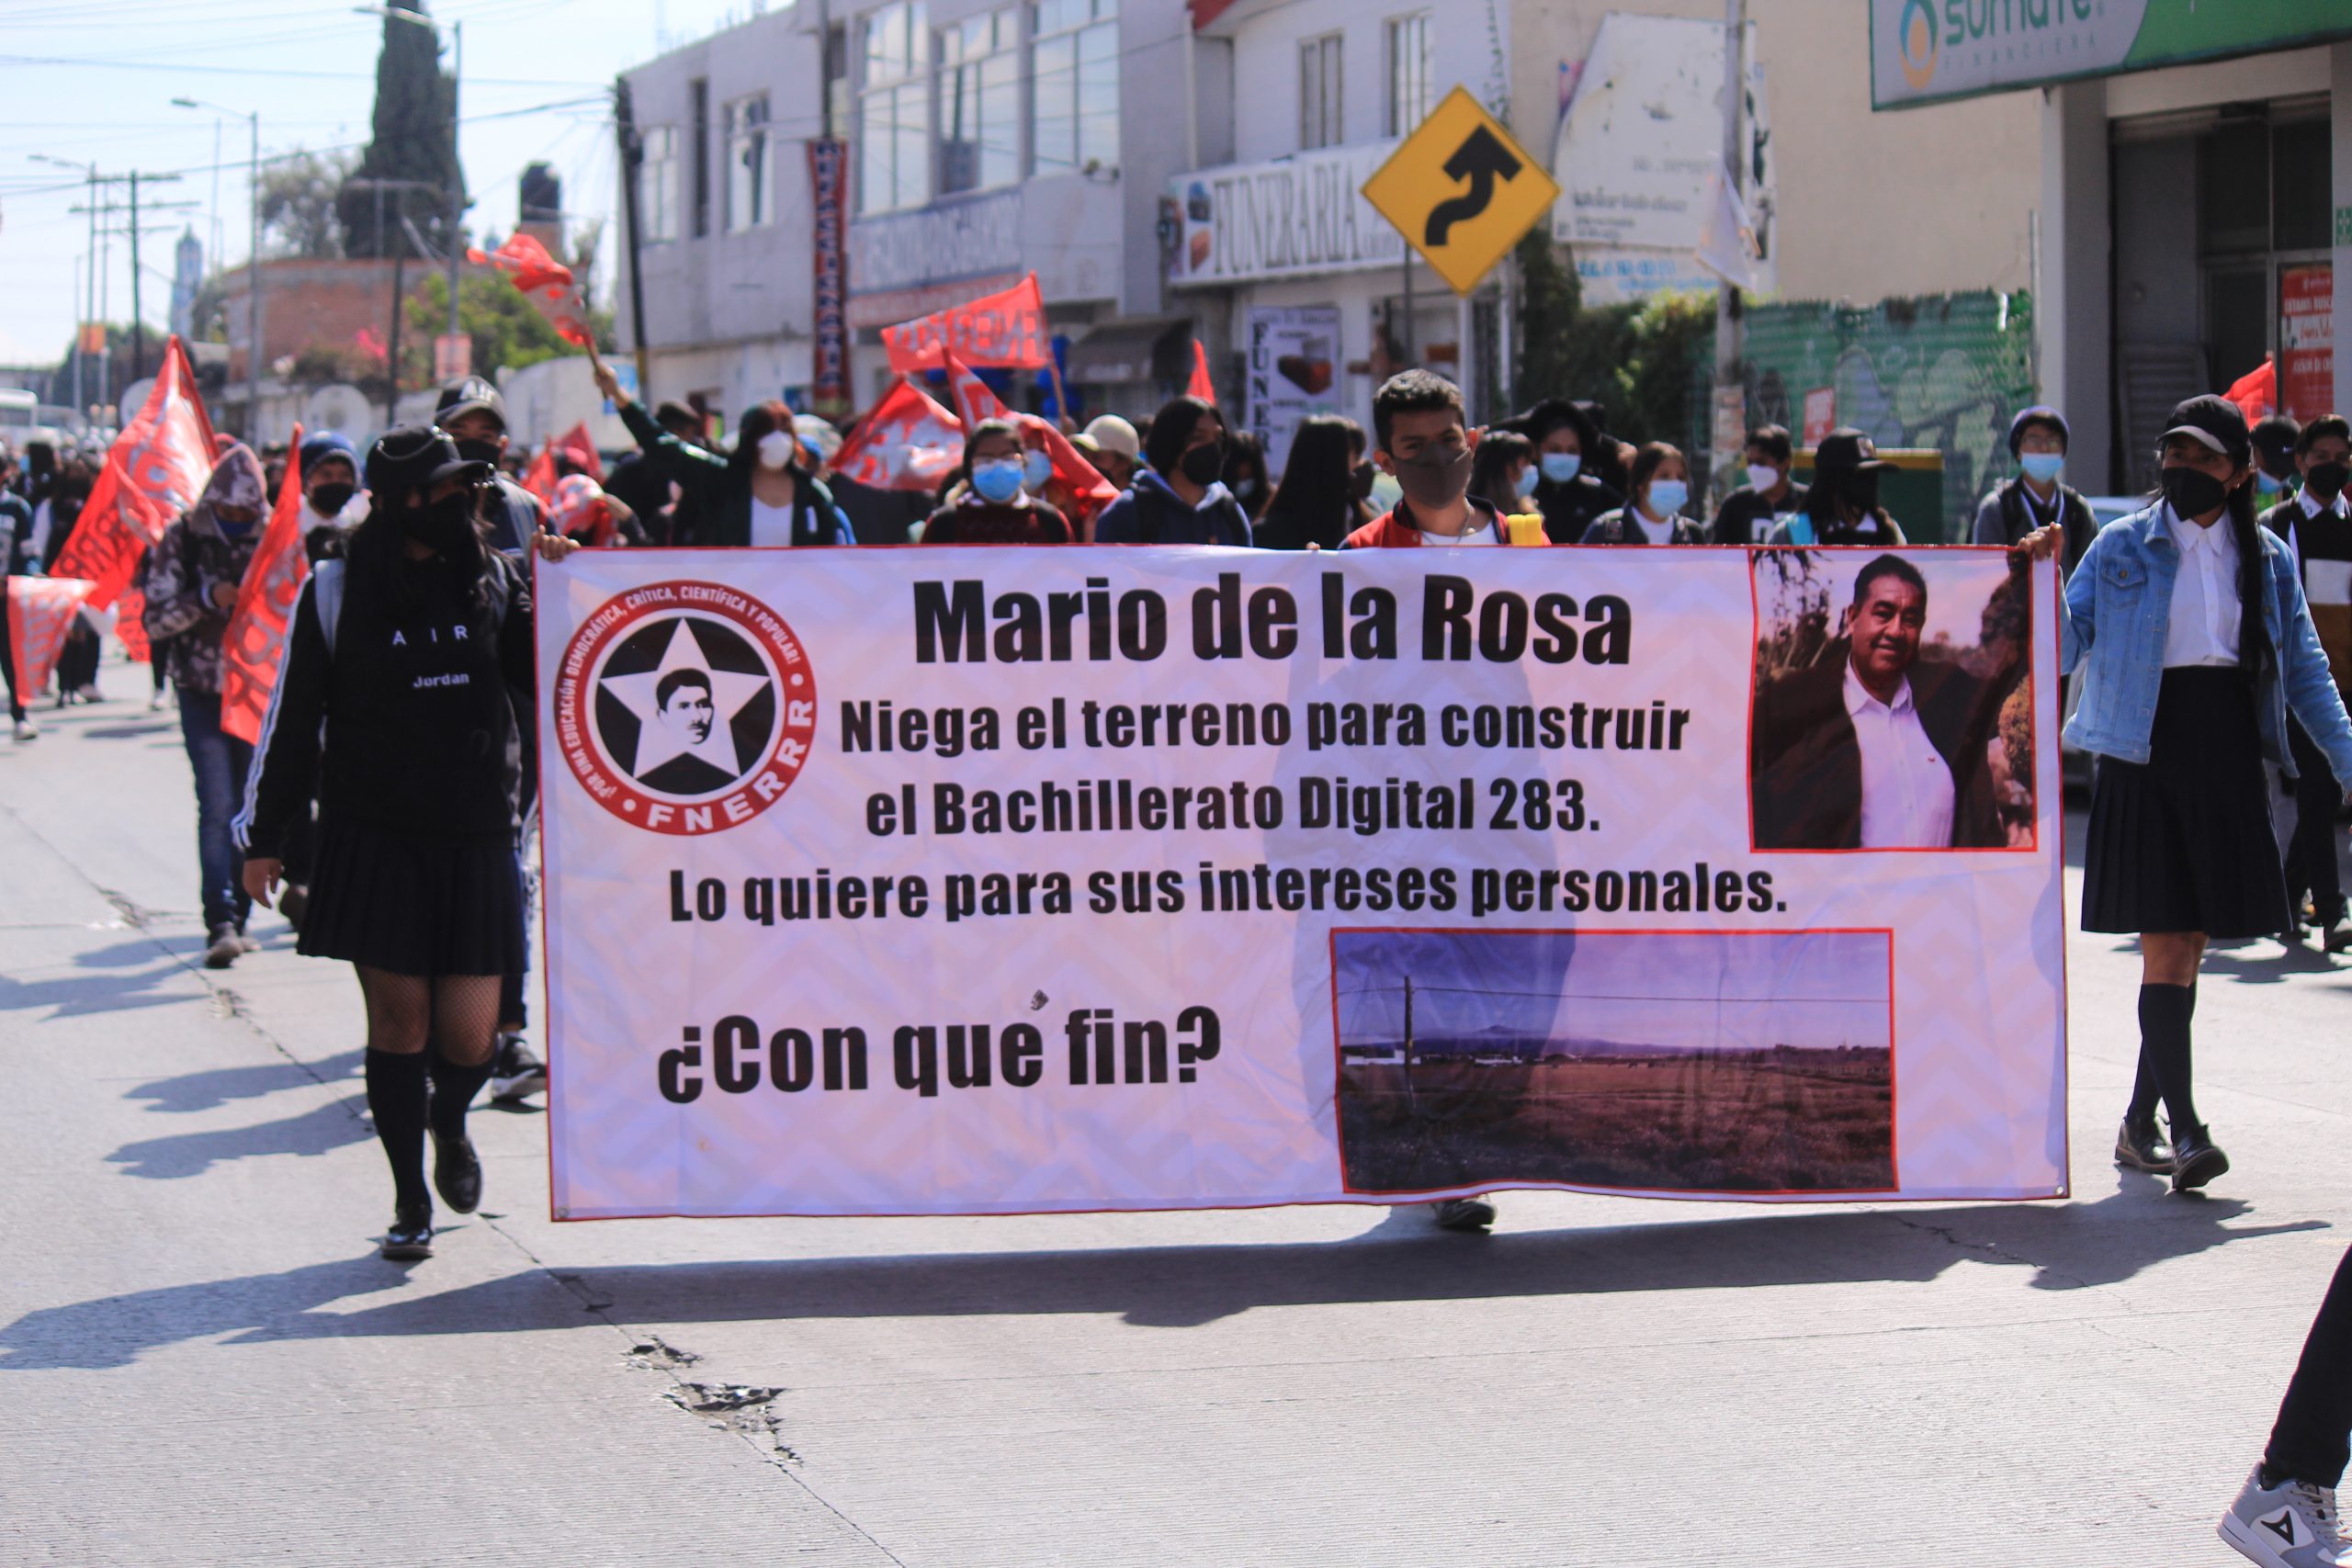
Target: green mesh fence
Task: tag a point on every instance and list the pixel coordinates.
(1947, 371)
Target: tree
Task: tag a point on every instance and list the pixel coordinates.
(299, 197)
(413, 139)
(508, 329)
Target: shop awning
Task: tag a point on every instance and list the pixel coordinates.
(1133, 351)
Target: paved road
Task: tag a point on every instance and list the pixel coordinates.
(202, 1361)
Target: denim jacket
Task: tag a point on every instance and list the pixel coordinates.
(2118, 606)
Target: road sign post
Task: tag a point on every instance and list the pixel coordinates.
(1461, 191)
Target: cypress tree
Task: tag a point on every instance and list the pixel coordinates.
(411, 139)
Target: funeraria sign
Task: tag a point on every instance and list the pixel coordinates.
(1295, 217)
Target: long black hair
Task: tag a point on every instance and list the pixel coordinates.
(1316, 502)
(1832, 488)
(757, 421)
(1498, 450)
(1171, 427)
(2256, 652)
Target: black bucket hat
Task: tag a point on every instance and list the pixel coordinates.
(417, 458)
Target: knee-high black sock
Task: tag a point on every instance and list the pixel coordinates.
(396, 1101)
(2164, 1013)
(454, 1088)
(2142, 1111)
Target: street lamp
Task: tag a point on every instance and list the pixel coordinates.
(252, 269)
(457, 175)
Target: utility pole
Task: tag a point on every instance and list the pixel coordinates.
(138, 327)
(632, 160)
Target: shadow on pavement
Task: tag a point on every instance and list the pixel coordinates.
(1399, 1260)
(110, 990)
(216, 1086)
(319, 1131)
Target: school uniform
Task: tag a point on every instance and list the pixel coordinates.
(2318, 535)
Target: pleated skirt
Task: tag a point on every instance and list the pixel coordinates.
(2183, 842)
(413, 905)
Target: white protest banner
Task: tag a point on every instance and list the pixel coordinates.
(991, 881)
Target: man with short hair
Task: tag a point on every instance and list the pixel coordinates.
(2274, 437)
(473, 415)
(1868, 748)
(1421, 437)
(1112, 444)
(2316, 524)
(1748, 512)
(2037, 498)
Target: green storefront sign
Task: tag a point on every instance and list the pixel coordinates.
(1924, 51)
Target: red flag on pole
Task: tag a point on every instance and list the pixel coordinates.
(154, 471)
(1003, 331)
(256, 636)
(1089, 490)
(905, 442)
(974, 401)
(539, 478)
(545, 282)
(2256, 392)
(41, 610)
(1202, 385)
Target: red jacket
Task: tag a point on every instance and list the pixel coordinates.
(1397, 529)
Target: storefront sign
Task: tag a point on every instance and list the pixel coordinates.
(966, 881)
(2307, 340)
(1295, 368)
(828, 245)
(1924, 51)
(1299, 217)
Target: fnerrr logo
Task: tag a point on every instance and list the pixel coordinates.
(685, 707)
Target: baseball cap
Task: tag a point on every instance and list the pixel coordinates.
(1112, 433)
(464, 396)
(417, 457)
(2040, 413)
(2212, 421)
(1849, 450)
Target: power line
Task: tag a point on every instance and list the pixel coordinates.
(270, 70)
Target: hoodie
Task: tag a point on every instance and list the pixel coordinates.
(1152, 514)
(195, 555)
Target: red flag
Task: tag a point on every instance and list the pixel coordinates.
(974, 401)
(2256, 392)
(1202, 385)
(539, 478)
(581, 448)
(154, 471)
(130, 622)
(255, 640)
(41, 610)
(545, 282)
(1089, 490)
(1003, 331)
(905, 442)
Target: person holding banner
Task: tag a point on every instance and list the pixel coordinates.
(2189, 623)
(474, 412)
(193, 578)
(1421, 437)
(995, 506)
(1179, 496)
(406, 696)
(761, 496)
(1660, 485)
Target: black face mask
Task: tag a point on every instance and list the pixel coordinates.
(1201, 465)
(2193, 492)
(2326, 480)
(1861, 492)
(478, 451)
(1360, 481)
(328, 499)
(444, 524)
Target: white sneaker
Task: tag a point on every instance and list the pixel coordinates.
(28, 730)
(2291, 1525)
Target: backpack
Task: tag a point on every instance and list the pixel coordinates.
(327, 585)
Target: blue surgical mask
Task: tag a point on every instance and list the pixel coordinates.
(2043, 466)
(2266, 484)
(1666, 496)
(1529, 477)
(1035, 468)
(1562, 467)
(998, 481)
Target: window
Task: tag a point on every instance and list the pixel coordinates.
(1318, 93)
(657, 184)
(747, 163)
(979, 103)
(1075, 67)
(701, 94)
(1409, 72)
(893, 110)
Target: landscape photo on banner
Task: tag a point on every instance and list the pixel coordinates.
(959, 882)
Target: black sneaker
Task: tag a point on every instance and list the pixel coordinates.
(2143, 1148)
(411, 1237)
(1465, 1214)
(2336, 935)
(457, 1173)
(515, 1074)
(2196, 1160)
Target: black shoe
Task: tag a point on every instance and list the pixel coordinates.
(1465, 1214)
(457, 1173)
(226, 947)
(515, 1074)
(2196, 1160)
(2336, 935)
(293, 903)
(2143, 1148)
(411, 1237)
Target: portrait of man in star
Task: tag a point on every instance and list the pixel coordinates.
(684, 707)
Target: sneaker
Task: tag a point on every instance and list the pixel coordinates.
(226, 949)
(2335, 936)
(28, 730)
(294, 903)
(2195, 1158)
(410, 1235)
(155, 700)
(2291, 1525)
(2143, 1148)
(456, 1172)
(516, 1072)
(1464, 1214)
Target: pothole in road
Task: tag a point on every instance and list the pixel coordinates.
(656, 1354)
(744, 1409)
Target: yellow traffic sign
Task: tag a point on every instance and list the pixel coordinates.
(1461, 191)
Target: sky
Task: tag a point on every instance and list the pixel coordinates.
(92, 81)
(1680, 990)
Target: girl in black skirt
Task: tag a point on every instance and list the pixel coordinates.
(2190, 625)
(405, 692)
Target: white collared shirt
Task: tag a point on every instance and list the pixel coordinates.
(2206, 608)
(2312, 507)
(1653, 532)
(1906, 785)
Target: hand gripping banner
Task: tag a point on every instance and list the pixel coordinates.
(984, 881)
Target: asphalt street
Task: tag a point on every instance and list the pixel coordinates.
(203, 1361)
